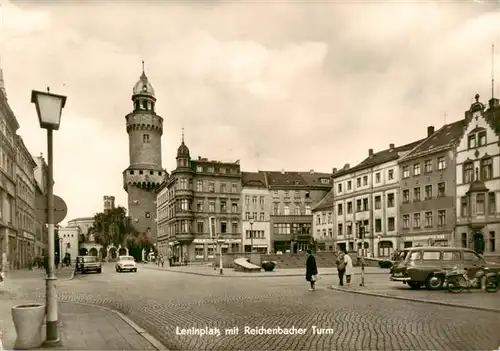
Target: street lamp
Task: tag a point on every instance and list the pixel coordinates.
(220, 241)
(251, 233)
(48, 108)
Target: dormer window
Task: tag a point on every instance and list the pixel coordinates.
(144, 88)
(471, 141)
(482, 138)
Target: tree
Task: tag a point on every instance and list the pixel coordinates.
(136, 242)
(111, 227)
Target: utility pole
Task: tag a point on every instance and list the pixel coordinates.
(362, 235)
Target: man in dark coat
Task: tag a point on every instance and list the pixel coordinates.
(311, 270)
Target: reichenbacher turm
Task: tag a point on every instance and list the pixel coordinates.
(145, 172)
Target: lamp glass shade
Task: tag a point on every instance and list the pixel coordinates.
(251, 220)
(49, 108)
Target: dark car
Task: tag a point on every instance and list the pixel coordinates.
(424, 265)
(86, 264)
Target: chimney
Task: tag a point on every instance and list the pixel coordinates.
(391, 147)
(494, 103)
(430, 131)
(282, 171)
(334, 170)
(370, 152)
(311, 171)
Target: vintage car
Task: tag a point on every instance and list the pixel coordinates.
(86, 264)
(419, 266)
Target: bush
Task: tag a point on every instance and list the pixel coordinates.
(268, 265)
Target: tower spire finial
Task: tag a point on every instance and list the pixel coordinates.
(143, 67)
(182, 135)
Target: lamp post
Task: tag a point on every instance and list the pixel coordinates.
(362, 234)
(48, 108)
(251, 233)
(221, 269)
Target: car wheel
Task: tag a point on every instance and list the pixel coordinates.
(135, 270)
(116, 269)
(414, 285)
(434, 282)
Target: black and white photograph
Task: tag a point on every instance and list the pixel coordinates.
(250, 175)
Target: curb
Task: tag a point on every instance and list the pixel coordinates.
(415, 299)
(250, 275)
(141, 331)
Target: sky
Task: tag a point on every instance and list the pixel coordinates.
(293, 85)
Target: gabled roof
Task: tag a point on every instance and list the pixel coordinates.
(275, 178)
(491, 115)
(253, 179)
(379, 158)
(326, 203)
(442, 138)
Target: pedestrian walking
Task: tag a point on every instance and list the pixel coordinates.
(341, 267)
(311, 270)
(349, 268)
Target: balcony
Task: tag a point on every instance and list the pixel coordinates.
(183, 192)
(184, 214)
(184, 238)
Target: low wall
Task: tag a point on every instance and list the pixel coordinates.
(228, 258)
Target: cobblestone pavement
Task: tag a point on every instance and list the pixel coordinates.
(162, 301)
(380, 284)
(229, 272)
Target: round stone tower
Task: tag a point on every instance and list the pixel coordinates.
(144, 173)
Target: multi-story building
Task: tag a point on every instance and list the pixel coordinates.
(294, 194)
(86, 244)
(8, 231)
(427, 188)
(322, 223)
(145, 173)
(41, 229)
(68, 241)
(25, 204)
(197, 190)
(367, 196)
(255, 211)
(162, 212)
(478, 179)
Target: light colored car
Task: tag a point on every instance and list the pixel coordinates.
(126, 263)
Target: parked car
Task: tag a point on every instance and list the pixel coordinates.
(86, 264)
(419, 266)
(126, 263)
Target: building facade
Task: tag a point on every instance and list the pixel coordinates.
(294, 194)
(8, 231)
(25, 204)
(322, 223)
(196, 191)
(367, 196)
(144, 173)
(68, 241)
(41, 229)
(428, 189)
(478, 180)
(255, 213)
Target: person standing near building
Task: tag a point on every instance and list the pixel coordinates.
(341, 267)
(311, 270)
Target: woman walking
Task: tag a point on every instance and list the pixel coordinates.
(311, 270)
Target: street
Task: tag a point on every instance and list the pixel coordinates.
(165, 303)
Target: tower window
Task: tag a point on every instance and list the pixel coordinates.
(131, 172)
(148, 215)
(144, 104)
(159, 173)
(145, 138)
(151, 172)
(140, 172)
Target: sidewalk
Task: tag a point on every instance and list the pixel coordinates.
(205, 270)
(82, 327)
(23, 279)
